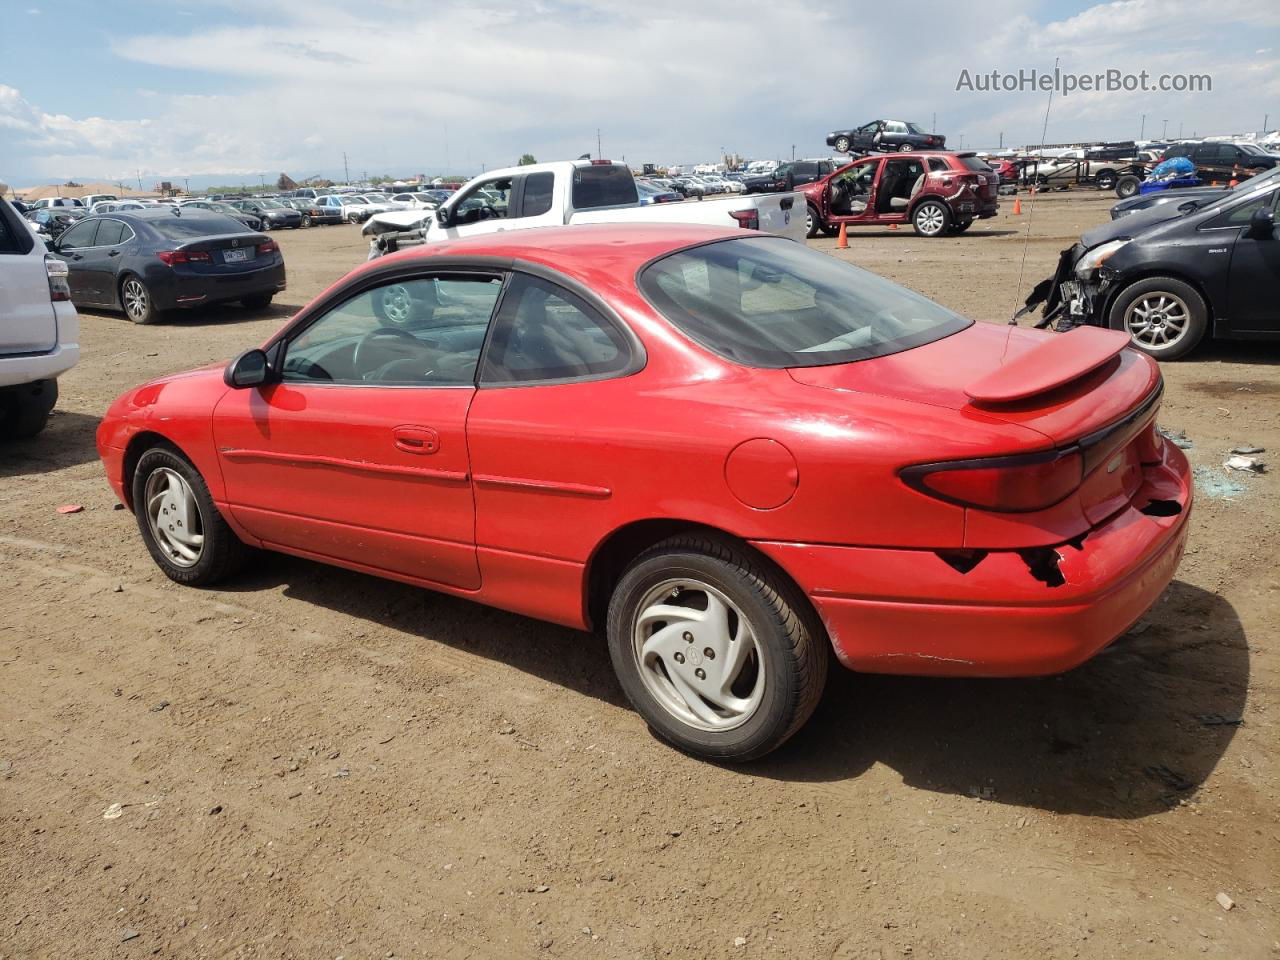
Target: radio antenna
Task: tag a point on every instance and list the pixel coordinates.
(1031, 206)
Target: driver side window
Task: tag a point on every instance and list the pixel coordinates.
(486, 201)
(426, 331)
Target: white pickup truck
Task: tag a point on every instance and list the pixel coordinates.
(566, 193)
(39, 329)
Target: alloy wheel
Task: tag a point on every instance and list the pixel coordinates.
(397, 304)
(930, 220)
(698, 655)
(1157, 319)
(842, 145)
(173, 516)
(134, 295)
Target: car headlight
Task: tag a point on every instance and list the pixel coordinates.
(1094, 258)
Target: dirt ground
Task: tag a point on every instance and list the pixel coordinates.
(313, 763)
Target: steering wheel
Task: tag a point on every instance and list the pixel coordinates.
(386, 340)
(489, 212)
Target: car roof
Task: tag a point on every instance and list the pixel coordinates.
(595, 254)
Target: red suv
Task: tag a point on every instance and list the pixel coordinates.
(938, 193)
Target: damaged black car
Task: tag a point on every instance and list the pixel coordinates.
(1171, 281)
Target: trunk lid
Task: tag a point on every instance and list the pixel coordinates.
(1090, 394)
(228, 253)
(940, 374)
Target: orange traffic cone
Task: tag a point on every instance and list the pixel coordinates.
(843, 242)
(893, 226)
(1234, 183)
(1017, 206)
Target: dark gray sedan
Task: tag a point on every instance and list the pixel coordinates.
(145, 262)
(274, 214)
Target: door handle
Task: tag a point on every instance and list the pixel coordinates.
(413, 439)
(113, 253)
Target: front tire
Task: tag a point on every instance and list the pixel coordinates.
(266, 224)
(1164, 317)
(931, 219)
(136, 300)
(905, 148)
(183, 530)
(720, 654)
(812, 222)
(306, 221)
(842, 144)
(1107, 180)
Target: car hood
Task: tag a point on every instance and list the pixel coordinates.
(1130, 226)
(944, 373)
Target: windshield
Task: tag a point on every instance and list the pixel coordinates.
(769, 302)
(1252, 148)
(354, 200)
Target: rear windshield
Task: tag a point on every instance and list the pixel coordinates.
(603, 185)
(187, 227)
(771, 302)
(974, 163)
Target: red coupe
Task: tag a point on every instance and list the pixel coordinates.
(725, 450)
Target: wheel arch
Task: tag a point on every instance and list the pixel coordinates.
(619, 548)
(1146, 273)
(138, 444)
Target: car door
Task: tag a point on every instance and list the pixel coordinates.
(72, 247)
(544, 461)
(358, 453)
(851, 194)
(864, 138)
(1254, 278)
(481, 210)
(102, 260)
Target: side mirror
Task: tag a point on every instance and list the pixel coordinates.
(1263, 223)
(444, 215)
(250, 369)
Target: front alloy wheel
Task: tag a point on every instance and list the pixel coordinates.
(842, 144)
(1164, 316)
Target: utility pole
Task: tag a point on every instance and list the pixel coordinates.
(934, 127)
(1164, 134)
(1265, 118)
(1179, 129)
(1143, 129)
(186, 183)
(599, 149)
(346, 171)
(793, 151)
(1001, 139)
(139, 181)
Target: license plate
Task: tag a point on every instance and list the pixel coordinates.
(235, 256)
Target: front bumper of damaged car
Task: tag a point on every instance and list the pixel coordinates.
(1075, 295)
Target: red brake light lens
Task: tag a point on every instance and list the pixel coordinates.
(268, 246)
(747, 219)
(1018, 484)
(174, 257)
(59, 288)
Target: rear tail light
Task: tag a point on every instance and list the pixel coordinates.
(174, 257)
(59, 288)
(268, 246)
(1017, 484)
(747, 219)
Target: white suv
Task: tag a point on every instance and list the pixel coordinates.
(39, 329)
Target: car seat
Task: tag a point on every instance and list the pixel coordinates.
(901, 203)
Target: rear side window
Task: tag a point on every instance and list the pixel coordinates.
(975, 163)
(537, 194)
(110, 233)
(603, 185)
(806, 169)
(937, 164)
(1239, 216)
(1178, 150)
(544, 332)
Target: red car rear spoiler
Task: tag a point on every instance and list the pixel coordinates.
(1052, 364)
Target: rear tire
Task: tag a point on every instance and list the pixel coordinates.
(219, 553)
(259, 301)
(136, 301)
(25, 410)
(931, 218)
(1165, 318)
(1127, 186)
(758, 650)
(960, 226)
(905, 148)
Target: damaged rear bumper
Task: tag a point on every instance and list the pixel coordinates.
(913, 612)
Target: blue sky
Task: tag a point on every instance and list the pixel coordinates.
(236, 89)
